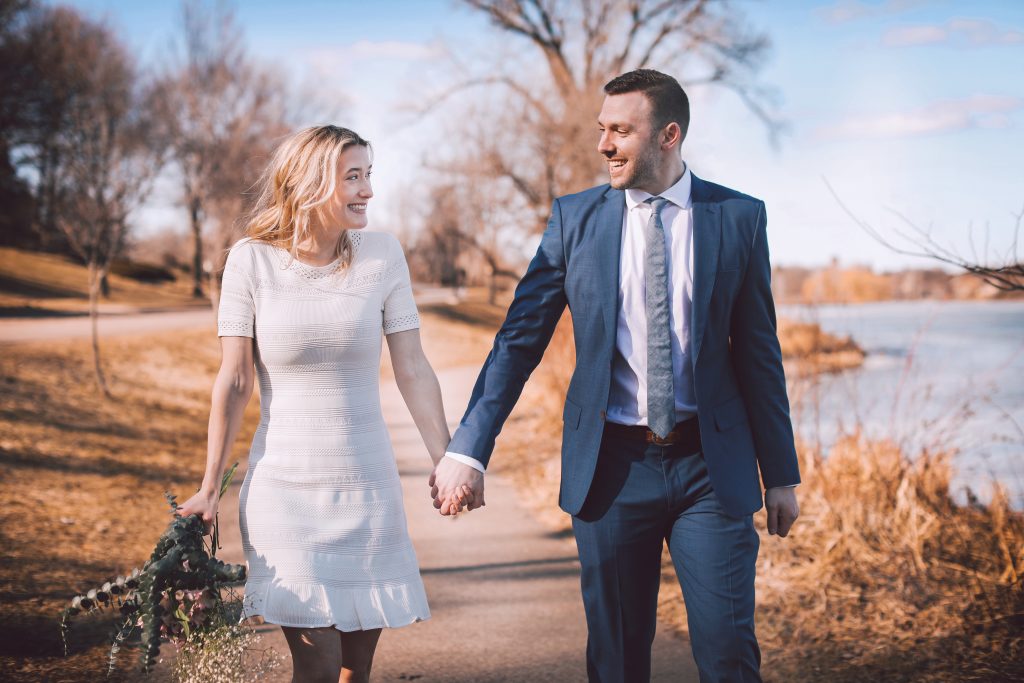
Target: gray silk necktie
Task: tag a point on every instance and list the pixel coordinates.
(661, 395)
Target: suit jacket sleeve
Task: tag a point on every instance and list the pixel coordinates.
(518, 347)
(757, 359)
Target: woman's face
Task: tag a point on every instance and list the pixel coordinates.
(353, 191)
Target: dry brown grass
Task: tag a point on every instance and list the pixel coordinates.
(887, 578)
(33, 283)
(82, 481)
(808, 350)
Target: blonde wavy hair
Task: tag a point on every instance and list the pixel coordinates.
(297, 185)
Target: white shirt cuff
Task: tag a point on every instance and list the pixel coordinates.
(465, 460)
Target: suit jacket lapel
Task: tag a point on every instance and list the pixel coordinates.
(608, 233)
(707, 236)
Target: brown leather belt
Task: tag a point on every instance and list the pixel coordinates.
(685, 434)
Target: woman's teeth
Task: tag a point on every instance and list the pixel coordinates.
(357, 208)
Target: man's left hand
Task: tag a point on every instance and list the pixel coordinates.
(782, 508)
(447, 481)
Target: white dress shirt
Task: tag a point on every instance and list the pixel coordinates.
(627, 400)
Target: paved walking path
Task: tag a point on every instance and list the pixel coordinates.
(127, 320)
(503, 590)
(24, 330)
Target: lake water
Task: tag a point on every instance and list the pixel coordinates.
(938, 373)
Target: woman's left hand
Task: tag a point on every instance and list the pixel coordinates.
(202, 504)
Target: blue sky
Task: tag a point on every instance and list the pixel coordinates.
(914, 107)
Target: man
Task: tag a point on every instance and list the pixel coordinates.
(678, 397)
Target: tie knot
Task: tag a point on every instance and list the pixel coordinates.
(658, 203)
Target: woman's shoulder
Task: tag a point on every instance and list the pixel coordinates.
(377, 245)
(251, 248)
(375, 239)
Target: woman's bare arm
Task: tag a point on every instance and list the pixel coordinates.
(420, 390)
(232, 390)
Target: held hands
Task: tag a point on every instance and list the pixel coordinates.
(453, 485)
(781, 506)
(202, 504)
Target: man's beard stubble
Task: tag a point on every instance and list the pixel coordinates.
(643, 169)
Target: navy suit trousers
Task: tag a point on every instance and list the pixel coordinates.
(642, 496)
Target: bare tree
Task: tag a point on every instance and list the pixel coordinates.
(458, 225)
(44, 75)
(219, 111)
(14, 74)
(107, 164)
(541, 141)
(1002, 269)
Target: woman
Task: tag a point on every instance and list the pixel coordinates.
(306, 298)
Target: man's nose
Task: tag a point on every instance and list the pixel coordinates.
(604, 145)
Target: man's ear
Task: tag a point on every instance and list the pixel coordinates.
(671, 135)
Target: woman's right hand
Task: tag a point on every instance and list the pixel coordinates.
(202, 504)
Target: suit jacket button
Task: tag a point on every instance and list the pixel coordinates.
(602, 414)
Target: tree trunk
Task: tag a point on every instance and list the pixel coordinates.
(105, 286)
(197, 237)
(95, 276)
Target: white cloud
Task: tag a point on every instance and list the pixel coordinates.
(914, 35)
(957, 32)
(395, 49)
(978, 111)
(325, 60)
(844, 11)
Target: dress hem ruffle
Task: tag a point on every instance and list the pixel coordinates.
(362, 627)
(366, 609)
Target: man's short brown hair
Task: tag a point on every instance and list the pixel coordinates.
(668, 99)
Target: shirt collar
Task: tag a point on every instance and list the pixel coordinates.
(678, 194)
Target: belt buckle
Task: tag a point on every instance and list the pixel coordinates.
(658, 441)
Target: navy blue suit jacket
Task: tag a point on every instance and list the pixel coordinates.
(737, 364)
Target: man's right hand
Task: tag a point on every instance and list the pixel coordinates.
(448, 478)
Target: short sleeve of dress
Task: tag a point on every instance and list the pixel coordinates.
(399, 306)
(237, 313)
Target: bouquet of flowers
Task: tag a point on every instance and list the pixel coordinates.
(176, 595)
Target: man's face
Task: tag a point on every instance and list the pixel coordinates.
(627, 140)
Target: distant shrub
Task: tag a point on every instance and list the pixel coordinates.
(142, 272)
(886, 577)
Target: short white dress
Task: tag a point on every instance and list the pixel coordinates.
(322, 520)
